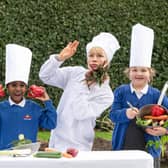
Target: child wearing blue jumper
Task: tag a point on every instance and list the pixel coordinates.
(19, 115)
(127, 135)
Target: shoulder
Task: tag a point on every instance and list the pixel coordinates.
(78, 69)
(32, 103)
(77, 72)
(4, 103)
(122, 88)
(73, 69)
(153, 91)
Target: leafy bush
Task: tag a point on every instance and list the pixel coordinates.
(47, 26)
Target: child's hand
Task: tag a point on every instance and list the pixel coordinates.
(44, 97)
(132, 112)
(156, 131)
(68, 51)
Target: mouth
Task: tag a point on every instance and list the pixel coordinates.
(18, 95)
(93, 66)
(139, 78)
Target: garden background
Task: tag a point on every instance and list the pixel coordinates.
(47, 26)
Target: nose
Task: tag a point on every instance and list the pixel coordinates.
(94, 58)
(139, 72)
(18, 88)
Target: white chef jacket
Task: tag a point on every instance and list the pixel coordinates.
(79, 106)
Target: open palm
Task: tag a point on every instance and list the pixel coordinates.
(69, 50)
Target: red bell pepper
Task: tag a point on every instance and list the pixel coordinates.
(2, 91)
(157, 110)
(35, 91)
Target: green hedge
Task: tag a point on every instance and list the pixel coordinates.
(47, 26)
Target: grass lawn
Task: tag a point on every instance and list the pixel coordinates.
(44, 135)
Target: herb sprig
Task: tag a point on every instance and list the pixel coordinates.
(97, 76)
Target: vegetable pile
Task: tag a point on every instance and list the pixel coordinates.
(157, 117)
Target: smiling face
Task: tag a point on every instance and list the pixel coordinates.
(16, 90)
(96, 58)
(139, 76)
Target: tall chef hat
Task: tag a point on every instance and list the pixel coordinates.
(141, 46)
(18, 62)
(107, 42)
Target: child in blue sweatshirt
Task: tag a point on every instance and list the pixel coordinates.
(19, 115)
(126, 134)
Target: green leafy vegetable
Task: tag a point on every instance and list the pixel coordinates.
(142, 122)
(21, 141)
(97, 76)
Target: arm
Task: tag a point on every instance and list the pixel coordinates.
(51, 74)
(48, 118)
(85, 106)
(118, 111)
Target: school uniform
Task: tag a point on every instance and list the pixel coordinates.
(137, 139)
(24, 118)
(127, 135)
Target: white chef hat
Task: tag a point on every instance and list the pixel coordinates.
(141, 46)
(18, 62)
(107, 42)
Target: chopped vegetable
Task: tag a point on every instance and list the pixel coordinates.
(67, 155)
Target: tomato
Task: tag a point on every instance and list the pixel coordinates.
(157, 110)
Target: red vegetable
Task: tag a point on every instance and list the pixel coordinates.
(2, 91)
(157, 110)
(72, 151)
(35, 91)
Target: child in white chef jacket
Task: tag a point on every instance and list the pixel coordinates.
(85, 96)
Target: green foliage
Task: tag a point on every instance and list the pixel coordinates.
(162, 143)
(104, 135)
(45, 135)
(103, 123)
(47, 26)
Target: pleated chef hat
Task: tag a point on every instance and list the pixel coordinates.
(18, 62)
(141, 46)
(107, 42)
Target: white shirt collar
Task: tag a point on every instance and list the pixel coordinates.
(21, 104)
(143, 91)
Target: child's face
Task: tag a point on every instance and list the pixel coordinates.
(96, 58)
(139, 76)
(16, 90)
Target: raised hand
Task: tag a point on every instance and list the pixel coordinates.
(44, 97)
(68, 51)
